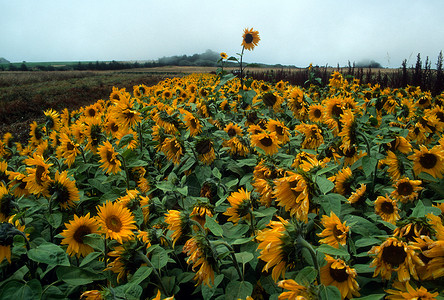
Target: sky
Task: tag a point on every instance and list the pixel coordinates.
(292, 32)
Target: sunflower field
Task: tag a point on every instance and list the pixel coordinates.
(215, 186)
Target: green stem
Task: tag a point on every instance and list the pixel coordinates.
(233, 258)
(148, 262)
(83, 154)
(241, 69)
(252, 221)
(312, 252)
(122, 159)
(139, 131)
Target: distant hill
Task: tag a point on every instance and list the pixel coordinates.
(4, 60)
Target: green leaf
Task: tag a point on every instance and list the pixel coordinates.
(367, 241)
(362, 226)
(217, 173)
(159, 258)
(327, 249)
(53, 292)
(183, 190)
(140, 275)
(432, 210)
(238, 289)
(49, 254)
(125, 140)
(89, 258)
(94, 240)
(427, 177)
(368, 165)
(165, 186)
(244, 257)
(363, 268)
(329, 292)
(133, 292)
(55, 219)
(213, 226)
(324, 184)
(331, 202)
(419, 210)
(21, 290)
(77, 276)
(306, 276)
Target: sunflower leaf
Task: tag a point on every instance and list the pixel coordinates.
(213, 226)
(329, 292)
(419, 210)
(327, 249)
(49, 254)
(324, 184)
(238, 290)
(77, 276)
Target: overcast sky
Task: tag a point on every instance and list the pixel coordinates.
(292, 32)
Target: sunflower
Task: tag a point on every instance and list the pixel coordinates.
(179, 223)
(200, 254)
(172, 149)
(250, 39)
(17, 184)
(337, 273)
(108, 158)
(94, 133)
(75, 231)
(315, 112)
(343, 181)
(52, 120)
(8, 229)
(282, 131)
(268, 142)
(223, 55)
(116, 221)
(6, 203)
(400, 144)
(205, 151)
(358, 196)
(348, 132)
(92, 295)
(240, 206)
(387, 209)
(272, 100)
(124, 112)
(277, 247)
(200, 211)
(295, 291)
(395, 166)
(63, 190)
(429, 161)
(38, 179)
(406, 291)
(291, 192)
(406, 189)
(297, 104)
(37, 133)
(193, 124)
(127, 260)
(313, 137)
(395, 255)
(263, 176)
(335, 232)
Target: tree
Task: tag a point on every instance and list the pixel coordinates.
(417, 74)
(439, 83)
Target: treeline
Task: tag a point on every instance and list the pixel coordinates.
(421, 74)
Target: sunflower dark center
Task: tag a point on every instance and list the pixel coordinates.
(394, 255)
(339, 275)
(95, 135)
(175, 147)
(6, 204)
(110, 157)
(248, 38)
(336, 111)
(193, 123)
(114, 127)
(428, 160)
(337, 232)
(91, 112)
(317, 113)
(279, 130)
(203, 147)
(80, 233)
(60, 192)
(405, 189)
(142, 90)
(293, 184)
(266, 141)
(231, 132)
(350, 152)
(69, 146)
(113, 223)
(269, 99)
(387, 207)
(440, 116)
(38, 134)
(39, 174)
(129, 114)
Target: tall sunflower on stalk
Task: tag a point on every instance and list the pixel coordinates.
(125, 113)
(250, 39)
(387, 209)
(116, 221)
(68, 149)
(179, 223)
(173, 149)
(74, 233)
(126, 261)
(205, 150)
(267, 141)
(108, 158)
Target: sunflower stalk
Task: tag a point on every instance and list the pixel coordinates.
(233, 259)
(122, 159)
(150, 264)
(241, 69)
(300, 240)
